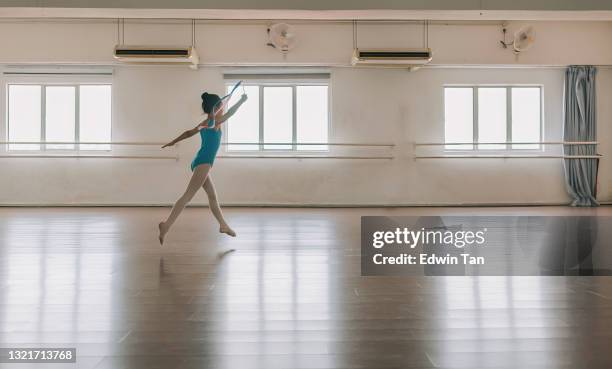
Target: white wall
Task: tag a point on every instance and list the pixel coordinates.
(155, 103)
(239, 43)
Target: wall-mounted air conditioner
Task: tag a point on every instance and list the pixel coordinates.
(391, 58)
(157, 55)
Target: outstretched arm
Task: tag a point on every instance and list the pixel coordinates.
(231, 111)
(188, 133)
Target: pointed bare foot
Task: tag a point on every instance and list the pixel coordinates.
(227, 230)
(162, 232)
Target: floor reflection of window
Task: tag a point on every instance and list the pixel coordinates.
(24, 280)
(495, 314)
(55, 276)
(279, 290)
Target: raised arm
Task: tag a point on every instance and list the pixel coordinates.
(231, 111)
(188, 133)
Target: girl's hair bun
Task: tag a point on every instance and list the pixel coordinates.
(209, 101)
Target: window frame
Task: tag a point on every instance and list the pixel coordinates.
(53, 81)
(537, 147)
(261, 84)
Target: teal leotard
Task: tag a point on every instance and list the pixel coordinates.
(211, 140)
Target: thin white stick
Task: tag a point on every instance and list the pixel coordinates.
(508, 157)
(507, 143)
(304, 157)
(129, 143)
(55, 156)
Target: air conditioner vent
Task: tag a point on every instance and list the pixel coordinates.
(152, 52)
(395, 54)
(391, 58)
(157, 55)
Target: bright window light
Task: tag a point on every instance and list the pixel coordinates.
(458, 117)
(24, 116)
(526, 117)
(503, 114)
(95, 116)
(59, 113)
(278, 117)
(60, 116)
(312, 116)
(282, 114)
(492, 117)
(243, 127)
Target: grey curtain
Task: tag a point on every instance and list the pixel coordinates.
(580, 124)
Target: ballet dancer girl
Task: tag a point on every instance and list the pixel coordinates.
(210, 133)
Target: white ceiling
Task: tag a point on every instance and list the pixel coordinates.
(313, 9)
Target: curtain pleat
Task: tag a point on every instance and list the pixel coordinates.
(580, 124)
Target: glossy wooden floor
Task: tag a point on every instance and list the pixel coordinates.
(290, 296)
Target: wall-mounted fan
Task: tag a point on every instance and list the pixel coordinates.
(281, 37)
(523, 39)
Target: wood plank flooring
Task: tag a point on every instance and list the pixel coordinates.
(290, 296)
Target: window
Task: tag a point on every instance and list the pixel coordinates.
(280, 116)
(493, 118)
(59, 114)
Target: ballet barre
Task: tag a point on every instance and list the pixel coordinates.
(488, 156)
(308, 144)
(51, 154)
(125, 143)
(304, 157)
(483, 155)
(134, 143)
(88, 156)
(565, 143)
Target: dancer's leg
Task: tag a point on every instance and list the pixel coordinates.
(209, 187)
(197, 180)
